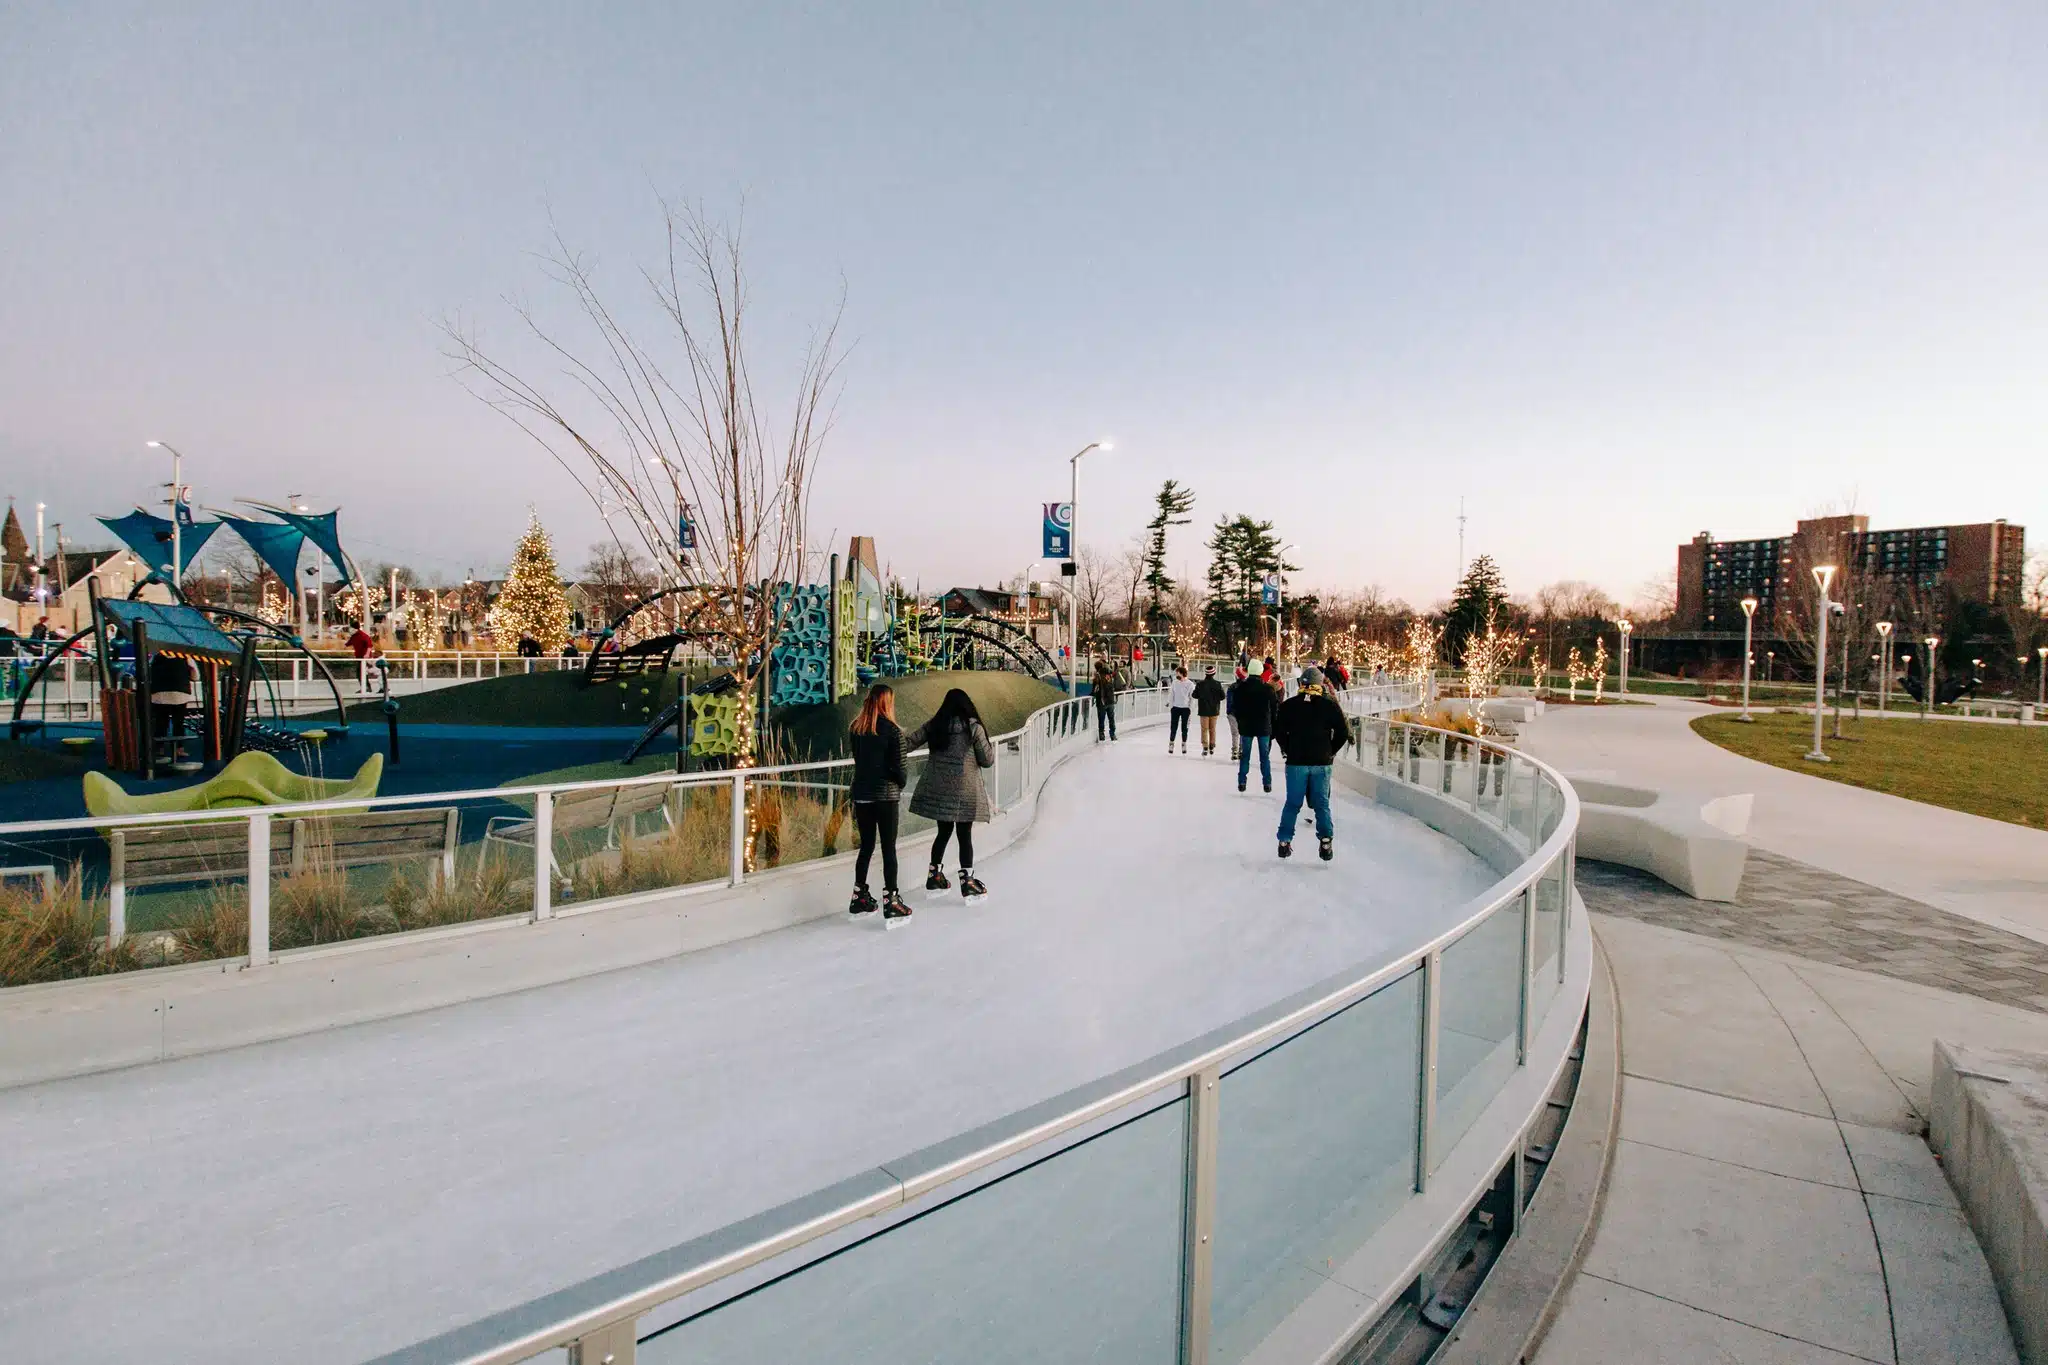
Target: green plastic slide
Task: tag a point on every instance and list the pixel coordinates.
(250, 779)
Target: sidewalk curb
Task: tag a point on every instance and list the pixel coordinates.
(1514, 1308)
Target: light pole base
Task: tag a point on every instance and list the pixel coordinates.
(1818, 757)
(1746, 718)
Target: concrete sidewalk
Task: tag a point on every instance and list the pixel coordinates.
(1986, 870)
(1771, 1198)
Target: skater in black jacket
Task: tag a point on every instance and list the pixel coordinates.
(1310, 728)
(1252, 707)
(1208, 705)
(879, 772)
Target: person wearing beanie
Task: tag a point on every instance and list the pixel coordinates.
(1208, 705)
(1310, 728)
(1251, 713)
(1230, 709)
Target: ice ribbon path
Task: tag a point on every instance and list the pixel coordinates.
(330, 1197)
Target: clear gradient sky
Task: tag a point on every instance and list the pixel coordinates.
(1614, 272)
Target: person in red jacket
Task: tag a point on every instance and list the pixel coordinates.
(360, 643)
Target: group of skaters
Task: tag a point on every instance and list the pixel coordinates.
(950, 793)
(1310, 727)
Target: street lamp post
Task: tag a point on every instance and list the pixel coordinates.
(1927, 685)
(1626, 626)
(1280, 611)
(1884, 666)
(177, 489)
(1823, 576)
(1072, 568)
(2041, 683)
(1749, 605)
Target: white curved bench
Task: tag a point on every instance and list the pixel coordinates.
(1695, 843)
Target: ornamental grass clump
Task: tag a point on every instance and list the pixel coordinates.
(52, 932)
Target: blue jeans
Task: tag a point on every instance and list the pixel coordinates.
(1177, 724)
(1244, 759)
(1105, 716)
(1314, 785)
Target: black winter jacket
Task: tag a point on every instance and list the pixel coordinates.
(1253, 703)
(1310, 728)
(879, 770)
(1208, 697)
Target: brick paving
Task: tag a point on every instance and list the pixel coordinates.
(1789, 907)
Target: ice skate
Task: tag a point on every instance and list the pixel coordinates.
(1240, 784)
(1287, 850)
(894, 911)
(862, 904)
(1324, 851)
(935, 881)
(971, 889)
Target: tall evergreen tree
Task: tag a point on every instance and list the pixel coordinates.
(1172, 505)
(532, 602)
(1241, 553)
(1481, 593)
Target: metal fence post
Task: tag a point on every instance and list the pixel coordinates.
(739, 826)
(1425, 1107)
(1528, 969)
(612, 1344)
(1198, 1249)
(543, 855)
(259, 889)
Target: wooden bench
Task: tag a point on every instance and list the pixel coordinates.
(154, 855)
(586, 809)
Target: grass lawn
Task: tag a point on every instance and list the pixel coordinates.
(1998, 771)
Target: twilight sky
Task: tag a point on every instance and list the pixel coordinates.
(1613, 272)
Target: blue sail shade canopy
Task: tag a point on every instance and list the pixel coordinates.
(276, 543)
(149, 537)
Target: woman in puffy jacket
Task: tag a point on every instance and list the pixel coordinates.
(878, 777)
(951, 790)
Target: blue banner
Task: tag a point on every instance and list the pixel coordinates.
(686, 531)
(1059, 531)
(1269, 591)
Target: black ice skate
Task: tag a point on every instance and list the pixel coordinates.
(863, 903)
(1287, 850)
(971, 889)
(894, 911)
(1323, 850)
(936, 880)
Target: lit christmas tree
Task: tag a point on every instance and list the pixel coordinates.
(532, 603)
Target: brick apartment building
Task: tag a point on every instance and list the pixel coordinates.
(1981, 562)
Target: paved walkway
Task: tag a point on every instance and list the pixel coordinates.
(1987, 870)
(1772, 1198)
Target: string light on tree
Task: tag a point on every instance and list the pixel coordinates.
(358, 602)
(422, 618)
(1488, 655)
(532, 603)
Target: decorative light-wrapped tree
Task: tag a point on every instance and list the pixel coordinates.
(532, 603)
(358, 602)
(422, 618)
(1487, 656)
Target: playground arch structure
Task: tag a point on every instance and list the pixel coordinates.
(270, 732)
(919, 639)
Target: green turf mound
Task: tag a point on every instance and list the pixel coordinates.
(20, 763)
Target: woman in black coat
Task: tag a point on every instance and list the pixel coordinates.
(879, 773)
(951, 790)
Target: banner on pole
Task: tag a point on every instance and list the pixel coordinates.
(1269, 591)
(1059, 530)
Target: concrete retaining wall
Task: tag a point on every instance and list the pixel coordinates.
(1990, 1127)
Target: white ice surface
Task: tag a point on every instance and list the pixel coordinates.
(330, 1197)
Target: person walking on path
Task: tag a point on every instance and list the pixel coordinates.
(1310, 728)
(879, 772)
(1230, 709)
(1254, 705)
(1104, 689)
(951, 790)
(1335, 674)
(1208, 705)
(1180, 702)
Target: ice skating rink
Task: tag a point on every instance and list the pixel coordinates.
(329, 1197)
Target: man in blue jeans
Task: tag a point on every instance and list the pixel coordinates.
(1310, 728)
(1252, 703)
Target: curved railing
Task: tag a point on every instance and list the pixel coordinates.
(1263, 1192)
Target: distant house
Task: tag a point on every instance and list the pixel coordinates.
(57, 588)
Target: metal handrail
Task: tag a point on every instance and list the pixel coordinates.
(503, 1339)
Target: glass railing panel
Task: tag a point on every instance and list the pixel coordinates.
(1543, 984)
(1009, 777)
(1491, 796)
(1480, 1016)
(626, 839)
(1076, 1257)
(1315, 1150)
(353, 874)
(182, 897)
(800, 817)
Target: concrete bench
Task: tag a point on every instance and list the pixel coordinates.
(1695, 843)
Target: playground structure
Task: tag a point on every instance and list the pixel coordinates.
(832, 638)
